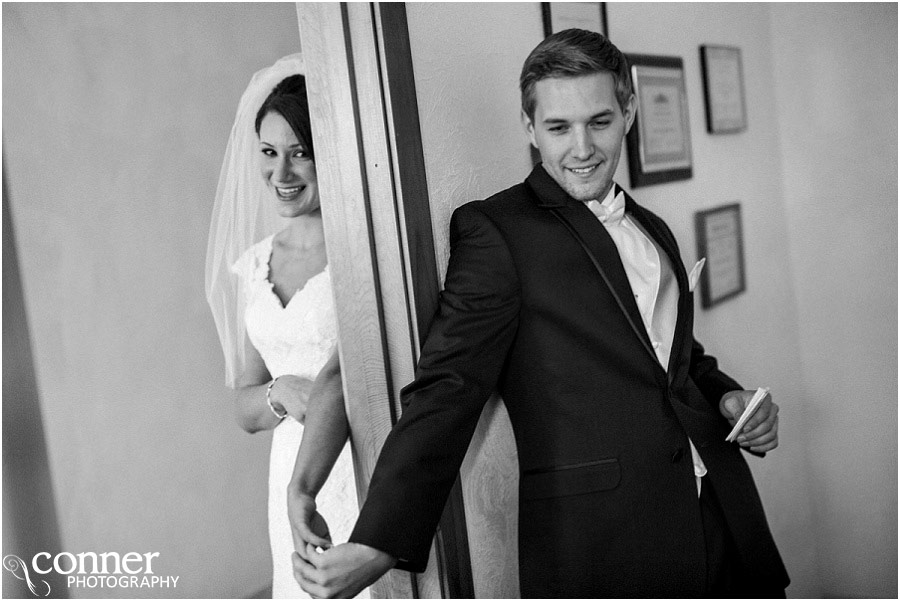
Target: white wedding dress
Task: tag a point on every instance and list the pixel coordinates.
(295, 339)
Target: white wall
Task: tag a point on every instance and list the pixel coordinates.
(836, 92)
(115, 122)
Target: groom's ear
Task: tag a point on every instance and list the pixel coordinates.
(528, 125)
(629, 112)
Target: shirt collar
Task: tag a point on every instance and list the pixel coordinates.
(611, 211)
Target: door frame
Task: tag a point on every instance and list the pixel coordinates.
(380, 242)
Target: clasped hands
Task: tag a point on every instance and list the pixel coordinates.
(760, 433)
(323, 570)
(290, 393)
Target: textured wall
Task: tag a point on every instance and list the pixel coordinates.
(836, 87)
(466, 81)
(115, 119)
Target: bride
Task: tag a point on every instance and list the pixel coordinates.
(268, 285)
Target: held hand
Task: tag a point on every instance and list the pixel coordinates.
(307, 525)
(760, 433)
(292, 394)
(342, 571)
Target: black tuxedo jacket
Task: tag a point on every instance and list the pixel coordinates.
(537, 305)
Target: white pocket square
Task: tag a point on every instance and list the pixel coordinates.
(695, 274)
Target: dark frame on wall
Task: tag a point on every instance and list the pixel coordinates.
(723, 89)
(659, 142)
(720, 240)
(583, 15)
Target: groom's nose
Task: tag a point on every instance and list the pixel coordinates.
(582, 144)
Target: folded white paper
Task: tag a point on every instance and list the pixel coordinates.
(748, 413)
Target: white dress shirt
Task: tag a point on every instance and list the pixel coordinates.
(652, 281)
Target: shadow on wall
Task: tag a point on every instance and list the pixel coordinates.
(29, 513)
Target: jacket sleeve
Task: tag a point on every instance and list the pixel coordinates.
(461, 361)
(704, 370)
(712, 383)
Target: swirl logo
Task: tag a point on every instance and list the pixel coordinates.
(19, 569)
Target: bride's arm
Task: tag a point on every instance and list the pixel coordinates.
(289, 393)
(323, 439)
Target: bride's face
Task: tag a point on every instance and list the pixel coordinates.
(286, 167)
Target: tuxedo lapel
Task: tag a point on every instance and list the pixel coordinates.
(596, 242)
(684, 322)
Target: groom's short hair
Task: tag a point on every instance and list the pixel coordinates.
(571, 53)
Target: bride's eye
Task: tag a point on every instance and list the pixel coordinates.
(268, 152)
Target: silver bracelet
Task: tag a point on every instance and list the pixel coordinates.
(269, 400)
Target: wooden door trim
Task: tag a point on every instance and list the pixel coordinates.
(380, 241)
(451, 542)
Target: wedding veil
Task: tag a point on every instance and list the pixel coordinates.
(241, 216)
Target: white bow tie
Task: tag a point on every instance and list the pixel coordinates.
(609, 214)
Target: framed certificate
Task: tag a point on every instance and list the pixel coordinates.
(720, 240)
(723, 89)
(581, 15)
(659, 143)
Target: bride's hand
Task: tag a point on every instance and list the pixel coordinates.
(307, 525)
(292, 394)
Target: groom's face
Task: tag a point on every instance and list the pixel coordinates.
(578, 127)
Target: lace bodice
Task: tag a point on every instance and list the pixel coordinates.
(294, 339)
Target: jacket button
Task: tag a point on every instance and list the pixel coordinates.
(677, 455)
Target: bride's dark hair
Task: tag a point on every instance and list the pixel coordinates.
(288, 99)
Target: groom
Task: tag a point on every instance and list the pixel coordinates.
(572, 301)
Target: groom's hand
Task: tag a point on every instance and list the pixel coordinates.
(340, 572)
(760, 433)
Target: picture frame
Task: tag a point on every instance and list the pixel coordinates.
(723, 89)
(720, 241)
(583, 15)
(659, 142)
